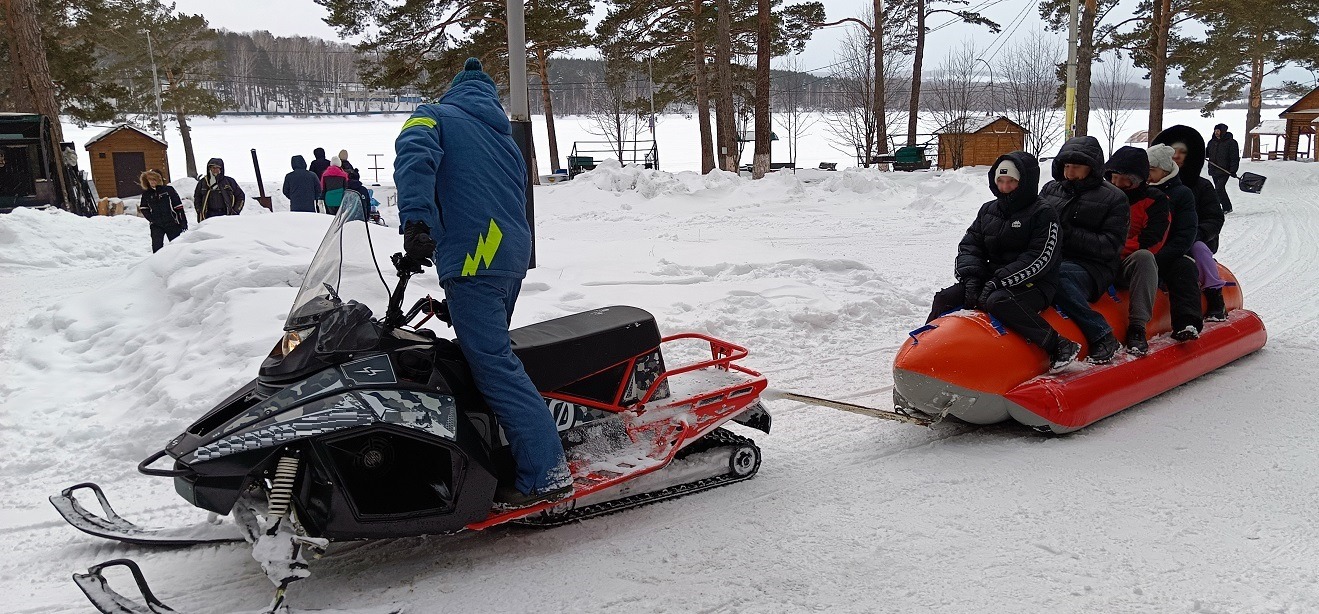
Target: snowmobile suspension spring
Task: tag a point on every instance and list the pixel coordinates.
(281, 489)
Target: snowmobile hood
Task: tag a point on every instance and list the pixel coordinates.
(1080, 150)
(1029, 188)
(1195, 151)
(480, 100)
(299, 163)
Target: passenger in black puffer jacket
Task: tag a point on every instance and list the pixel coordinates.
(1094, 216)
(1189, 155)
(161, 206)
(1007, 262)
(1176, 266)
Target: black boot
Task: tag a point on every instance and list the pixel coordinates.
(1103, 349)
(509, 498)
(1064, 351)
(1215, 311)
(1137, 345)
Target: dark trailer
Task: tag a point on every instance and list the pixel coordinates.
(29, 176)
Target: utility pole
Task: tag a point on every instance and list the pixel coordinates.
(155, 80)
(519, 113)
(1069, 116)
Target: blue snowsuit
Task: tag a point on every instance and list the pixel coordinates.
(458, 170)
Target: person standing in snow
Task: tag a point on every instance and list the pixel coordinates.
(1224, 157)
(1094, 216)
(301, 187)
(1128, 169)
(162, 207)
(333, 182)
(355, 184)
(1007, 264)
(217, 193)
(319, 164)
(1188, 155)
(343, 160)
(1176, 266)
(462, 202)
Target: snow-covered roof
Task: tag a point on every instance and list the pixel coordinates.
(972, 125)
(113, 129)
(1270, 126)
(1140, 136)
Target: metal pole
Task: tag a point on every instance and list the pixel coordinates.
(992, 106)
(519, 114)
(650, 67)
(1069, 117)
(160, 115)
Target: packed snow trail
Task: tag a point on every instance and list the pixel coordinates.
(1196, 501)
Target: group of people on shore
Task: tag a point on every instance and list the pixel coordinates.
(1137, 220)
(321, 186)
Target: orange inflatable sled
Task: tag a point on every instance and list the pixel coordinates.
(966, 365)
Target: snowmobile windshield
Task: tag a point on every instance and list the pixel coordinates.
(320, 289)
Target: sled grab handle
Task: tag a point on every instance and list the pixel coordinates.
(144, 468)
(915, 334)
(722, 355)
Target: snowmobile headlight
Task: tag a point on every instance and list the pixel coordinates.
(291, 340)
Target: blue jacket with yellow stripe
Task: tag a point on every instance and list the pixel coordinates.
(458, 170)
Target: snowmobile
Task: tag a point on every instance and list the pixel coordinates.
(358, 427)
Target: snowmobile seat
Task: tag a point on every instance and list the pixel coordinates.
(564, 350)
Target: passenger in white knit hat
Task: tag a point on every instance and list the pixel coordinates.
(1162, 166)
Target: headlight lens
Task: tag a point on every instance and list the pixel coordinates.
(291, 340)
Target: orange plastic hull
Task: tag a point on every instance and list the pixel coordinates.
(963, 366)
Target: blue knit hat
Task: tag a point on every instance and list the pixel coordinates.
(472, 72)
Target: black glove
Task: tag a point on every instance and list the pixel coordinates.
(972, 286)
(990, 287)
(417, 243)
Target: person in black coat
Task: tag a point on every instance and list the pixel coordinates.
(162, 207)
(1224, 155)
(1176, 266)
(217, 193)
(1188, 154)
(301, 187)
(321, 163)
(1094, 216)
(355, 184)
(1007, 262)
(1151, 215)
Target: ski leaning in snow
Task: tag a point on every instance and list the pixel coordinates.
(360, 428)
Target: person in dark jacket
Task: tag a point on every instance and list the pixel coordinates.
(1189, 158)
(462, 187)
(1151, 215)
(1224, 156)
(1094, 216)
(1176, 266)
(217, 193)
(1007, 262)
(321, 163)
(343, 161)
(301, 187)
(162, 207)
(355, 184)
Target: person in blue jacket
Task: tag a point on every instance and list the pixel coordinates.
(462, 201)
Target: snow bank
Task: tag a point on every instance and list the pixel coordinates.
(52, 238)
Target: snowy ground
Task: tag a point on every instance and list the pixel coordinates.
(1198, 501)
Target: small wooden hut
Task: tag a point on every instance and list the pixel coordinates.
(120, 154)
(1301, 119)
(978, 141)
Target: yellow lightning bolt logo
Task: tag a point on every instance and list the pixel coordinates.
(486, 247)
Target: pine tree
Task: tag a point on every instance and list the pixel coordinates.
(1152, 41)
(1092, 40)
(922, 10)
(1246, 41)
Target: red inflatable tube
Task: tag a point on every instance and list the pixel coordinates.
(966, 366)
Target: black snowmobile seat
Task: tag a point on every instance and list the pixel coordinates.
(561, 351)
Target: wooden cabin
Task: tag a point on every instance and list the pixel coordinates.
(120, 154)
(1301, 121)
(978, 141)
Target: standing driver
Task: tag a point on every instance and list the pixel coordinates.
(462, 201)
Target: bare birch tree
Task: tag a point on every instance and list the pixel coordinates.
(854, 121)
(1028, 86)
(952, 100)
(1112, 97)
(790, 104)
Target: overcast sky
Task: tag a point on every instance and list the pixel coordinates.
(1019, 19)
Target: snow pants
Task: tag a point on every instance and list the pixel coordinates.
(1017, 309)
(1220, 186)
(158, 234)
(1140, 275)
(1182, 278)
(1206, 266)
(481, 308)
(1074, 300)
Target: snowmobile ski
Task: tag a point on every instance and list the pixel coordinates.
(896, 416)
(113, 526)
(742, 464)
(109, 601)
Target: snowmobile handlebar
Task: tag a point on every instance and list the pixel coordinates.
(405, 268)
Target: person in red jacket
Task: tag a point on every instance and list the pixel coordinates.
(1151, 214)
